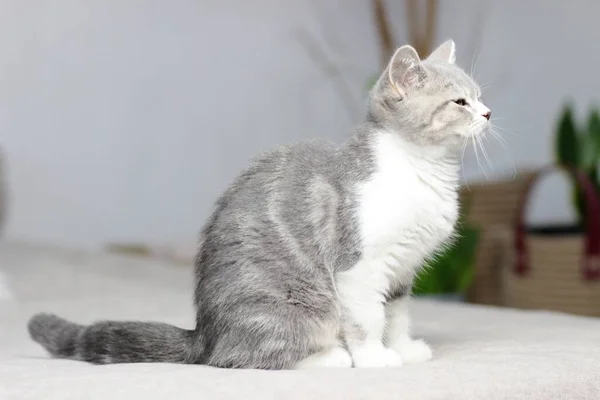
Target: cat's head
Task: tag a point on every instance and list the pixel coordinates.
(430, 101)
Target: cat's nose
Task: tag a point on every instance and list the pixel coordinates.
(487, 115)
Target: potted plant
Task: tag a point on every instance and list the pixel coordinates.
(578, 145)
(557, 267)
(450, 274)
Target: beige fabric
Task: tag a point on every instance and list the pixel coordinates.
(479, 352)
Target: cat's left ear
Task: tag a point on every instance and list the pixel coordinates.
(445, 53)
(405, 71)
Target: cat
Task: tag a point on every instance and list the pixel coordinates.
(309, 257)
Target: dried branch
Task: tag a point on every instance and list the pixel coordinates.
(387, 44)
(330, 36)
(421, 31)
(331, 70)
(430, 25)
(412, 21)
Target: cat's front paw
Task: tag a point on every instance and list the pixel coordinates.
(336, 357)
(375, 356)
(413, 351)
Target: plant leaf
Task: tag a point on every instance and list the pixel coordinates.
(468, 250)
(593, 134)
(567, 143)
(372, 81)
(588, 153)
(452, 270)
(429, 281)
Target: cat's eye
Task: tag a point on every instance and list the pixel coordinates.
(461, 102)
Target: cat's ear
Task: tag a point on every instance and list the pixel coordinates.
(445, 52)
(405, 70)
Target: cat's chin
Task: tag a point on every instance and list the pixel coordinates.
(455, 143)
(470, 137)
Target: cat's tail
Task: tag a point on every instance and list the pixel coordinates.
(112, 342)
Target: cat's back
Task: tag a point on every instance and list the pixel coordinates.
(288, 167)
(276, 188)
(269, 211)
(307, 158)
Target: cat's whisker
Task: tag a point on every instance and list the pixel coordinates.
(462, 158)
(477, 157)
(502, 142)
(502, 118)
(476, 62)
(462, 161)
(499, 138)
(484, 151)
(483, 88)
(512, 115)
(504, 130)
(472, 63)
(496, 126)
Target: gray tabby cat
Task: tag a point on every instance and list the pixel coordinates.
(309, 257)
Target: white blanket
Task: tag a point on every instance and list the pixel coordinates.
(479, 352)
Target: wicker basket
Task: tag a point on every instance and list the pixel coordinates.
(559, 272)
(491, 207)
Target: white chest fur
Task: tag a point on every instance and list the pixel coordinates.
(407, 210)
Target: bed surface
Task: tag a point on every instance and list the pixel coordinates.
(479, 352)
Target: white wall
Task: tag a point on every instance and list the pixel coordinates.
(124, 120)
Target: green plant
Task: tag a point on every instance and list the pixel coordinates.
(452, 270)
(578, 145)
(372, 81)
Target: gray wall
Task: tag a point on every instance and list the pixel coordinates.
(124, 120)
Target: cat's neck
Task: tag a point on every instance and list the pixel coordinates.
(435, 166)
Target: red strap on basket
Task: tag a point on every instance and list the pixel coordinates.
(591, 261)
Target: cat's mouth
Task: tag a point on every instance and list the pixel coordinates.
(479, 128)
(485, 129)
